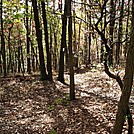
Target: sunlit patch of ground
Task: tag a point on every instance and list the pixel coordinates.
(29, 106)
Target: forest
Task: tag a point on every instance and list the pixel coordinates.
(66, 66)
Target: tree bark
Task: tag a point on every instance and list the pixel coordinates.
(119, 33)
(10, 65)
(127, 86)
(3, 41)
(28, 40)
(49, 64)
(43, 74)
(127, 30)
(63, 45)
(72, 86)
(111, 30)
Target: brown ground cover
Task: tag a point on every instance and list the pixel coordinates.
(30, 106)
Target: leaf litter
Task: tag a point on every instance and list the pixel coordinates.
(30, 106)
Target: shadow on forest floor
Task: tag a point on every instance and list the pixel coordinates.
(30, 106)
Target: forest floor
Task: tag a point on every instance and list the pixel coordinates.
(30, 106)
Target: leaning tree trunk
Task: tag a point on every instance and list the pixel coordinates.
(127, 86)
(124, 102)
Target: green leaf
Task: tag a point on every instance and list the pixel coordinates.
(8, 21)
(19, 16)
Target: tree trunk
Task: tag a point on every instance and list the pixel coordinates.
(127, 86)
(36, 57)
(127, 33)
(19, 61)
(22, 60)
(63, 45)
(119, 34)
(33, 57)
(0, 65)
(79, 41)
(111, 30)
(49, 64)
(3, 41)
(43, 74)
(28, 40)
(55, 51)
(10, 65)
(72, 86)
(102, 43)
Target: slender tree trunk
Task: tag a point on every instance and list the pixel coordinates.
(19, 54)
(16, 60)
(43, 74)
(85, 36)
(102, 43)
(55, 51)
(79, 41)
(36, 57)
(72, 86)
(111, 30)
(3, 40)
(75, 44)
(127, 33)
(49, 64)
(33, 57)
(51, 44)
(9, 50)
(119, 34)
(28, 39)
(22, 60)
(63, 45)
(19, 61)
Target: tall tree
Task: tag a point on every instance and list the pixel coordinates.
(63, 45)
(75, 44)
(55, 33)
(43, 74)
(127, 86)
(111, 29)
(127, 30)
(118, 79)
(72, 86)
(28, 39)
(49, 64)
(10, 65)
(2, 39)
